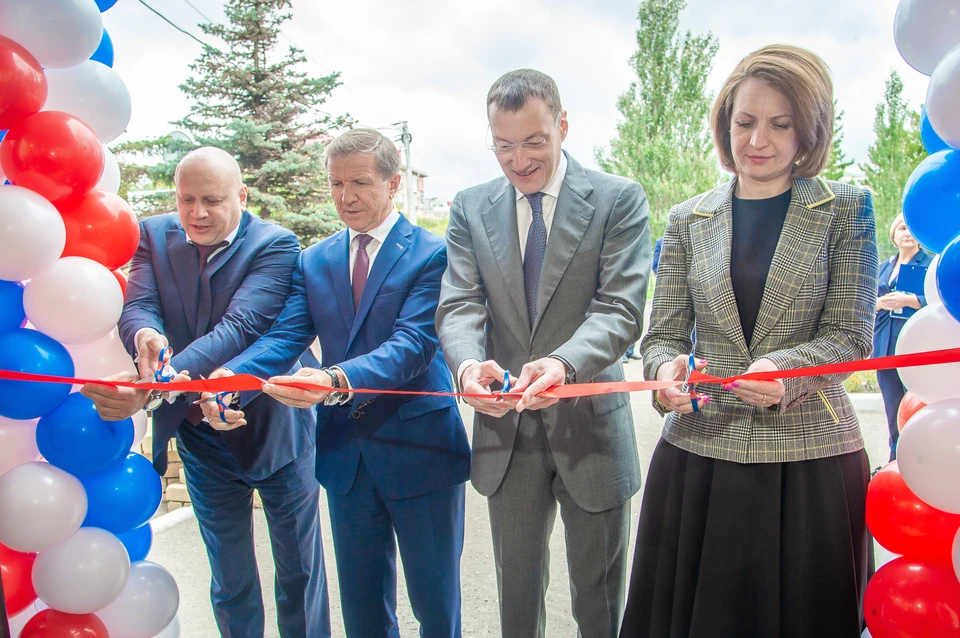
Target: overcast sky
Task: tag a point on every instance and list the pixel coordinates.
(431, 62)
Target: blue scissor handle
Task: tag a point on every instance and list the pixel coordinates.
(159, 376)
(688, 387)
(506, 382)
(220, 396)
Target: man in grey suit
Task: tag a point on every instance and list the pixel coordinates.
(547, 274)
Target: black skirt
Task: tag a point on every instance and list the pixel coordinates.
(762, 550)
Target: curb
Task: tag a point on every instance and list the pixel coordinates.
(867, 401)
(171, 519)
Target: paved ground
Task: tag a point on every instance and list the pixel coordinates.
(181, 551)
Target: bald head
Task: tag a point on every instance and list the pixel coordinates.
(212, 159)
(211, 196)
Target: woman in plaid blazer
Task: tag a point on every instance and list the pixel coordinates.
(752, 521)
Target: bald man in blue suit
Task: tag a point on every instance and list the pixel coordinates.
(208, 281)
(391, 465)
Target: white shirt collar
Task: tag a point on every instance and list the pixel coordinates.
(556, 182)
(380, 232)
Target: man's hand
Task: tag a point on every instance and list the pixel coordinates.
(150, 344)
(476, 379)
(232, 419)
(537, 376)
(296, 397)
(672, 398)
(759, 393)
(116, 404)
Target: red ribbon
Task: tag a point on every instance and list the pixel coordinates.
(248, 382)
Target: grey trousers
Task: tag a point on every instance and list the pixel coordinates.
(522, 514)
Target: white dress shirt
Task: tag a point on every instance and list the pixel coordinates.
(551, 192)
(378, 235)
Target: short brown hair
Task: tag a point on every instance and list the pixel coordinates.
(512, 90)
(804, 80)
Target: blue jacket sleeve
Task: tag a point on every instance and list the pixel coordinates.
(141, 308)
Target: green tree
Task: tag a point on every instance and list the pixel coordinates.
(837, 162)
(663, 139)
(891, 158)
(255, 101)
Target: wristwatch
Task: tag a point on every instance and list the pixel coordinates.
(571, 374)
(336, 397)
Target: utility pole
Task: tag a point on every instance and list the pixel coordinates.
(411, 211)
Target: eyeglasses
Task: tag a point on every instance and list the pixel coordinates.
(502, 148)
(510, 149)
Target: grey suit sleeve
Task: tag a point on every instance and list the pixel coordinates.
(615, 314)
(845, 331)
(462, 313)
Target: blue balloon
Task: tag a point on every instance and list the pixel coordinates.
(138, 542)
(931, 200)
(123, 498)
(931, 141)
(12, 315)
(29, 351)
(104, 52)
(3, 134)
(74, 438)
(948, 278)
(105, 4)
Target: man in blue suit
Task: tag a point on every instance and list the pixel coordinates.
(391, 464)
(208, 282)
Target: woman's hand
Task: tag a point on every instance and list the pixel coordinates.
(759, 393)
(672, 398)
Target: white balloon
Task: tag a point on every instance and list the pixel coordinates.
(93, 92)
(930, 290)
(924, 30)
(59, 33)
(147, 605)
(110, 178)
(928, 453)
(32, 235)
(139, 428)
(172, 630)
(40, 506)
(83, 574)
(956, 554)
(943, 97)
(18, 443)
(101, 358)
(931, 328)
(75, 301)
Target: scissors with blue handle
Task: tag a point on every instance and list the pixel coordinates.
(688, 388)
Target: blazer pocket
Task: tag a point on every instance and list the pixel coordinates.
(424, 405)
(607, 403)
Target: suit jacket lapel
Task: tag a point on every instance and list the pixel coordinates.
(204, 298)
(711, 236)
(186, 271)
(570, 221)
(500, 222)
(801, 242)
(338, 261)
(390, 252)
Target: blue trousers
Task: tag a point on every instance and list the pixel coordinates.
(429, 531)
(222, 496)
(892, 391)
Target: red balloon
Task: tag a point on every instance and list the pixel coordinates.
(53, 154)
(56, 624)
(23, 86)
(904, 524)
(16, 569)
(122, 280)
(100, 226)
(909, 406)
(910, 599)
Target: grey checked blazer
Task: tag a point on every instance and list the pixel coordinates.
(590, 308)
(817, 308)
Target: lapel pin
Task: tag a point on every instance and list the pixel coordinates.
(399, 246)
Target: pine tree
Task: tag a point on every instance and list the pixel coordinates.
(837, 162)
(663, 140)
(255, 101)
(892, 157)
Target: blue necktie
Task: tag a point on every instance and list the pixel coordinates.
(533, 255)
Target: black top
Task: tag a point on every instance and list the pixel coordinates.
(756, 231)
